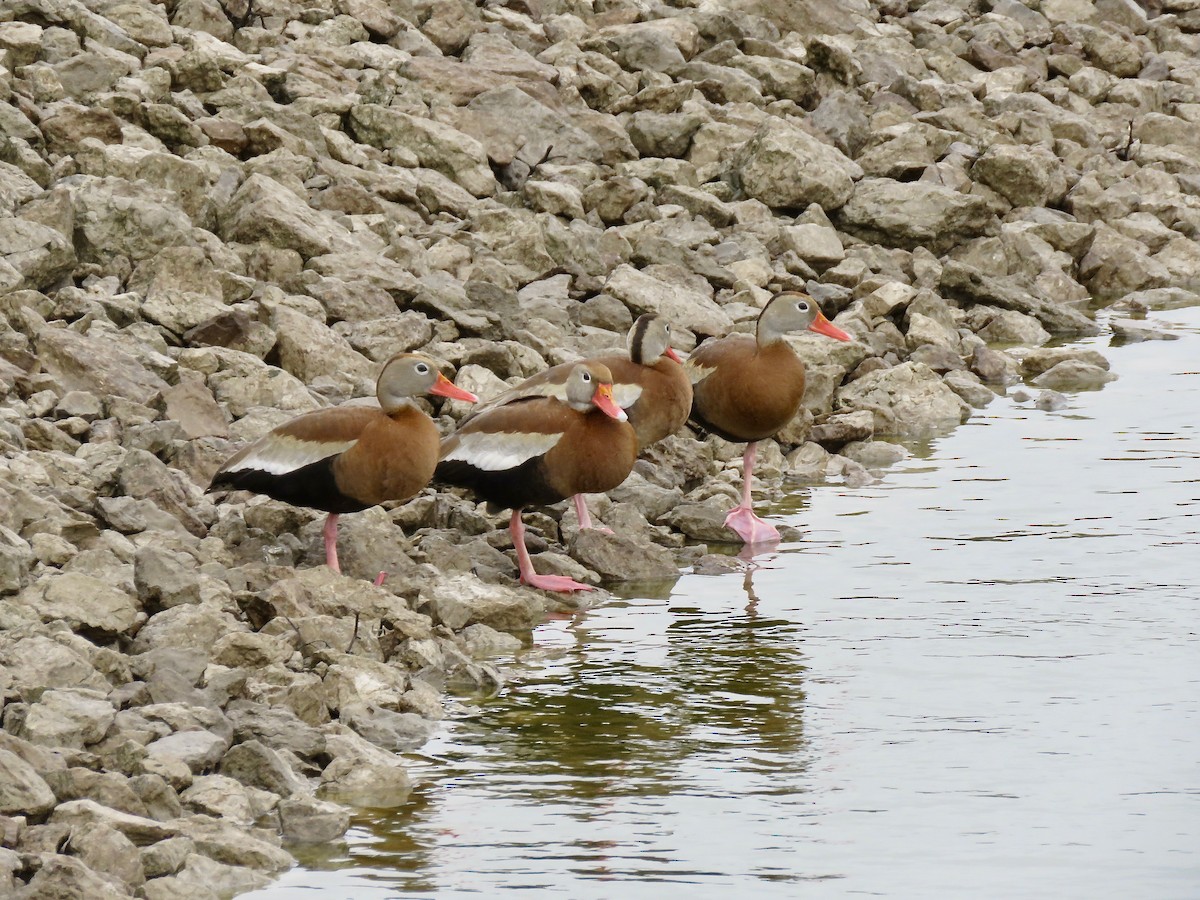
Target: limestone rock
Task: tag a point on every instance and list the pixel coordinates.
(1074, 375)
(617, 557)
(88, 603)
(914, 214)
(460, 600)
(786, 167)
(679, 303)
(908, 399)
(22, 790)
(81, 362)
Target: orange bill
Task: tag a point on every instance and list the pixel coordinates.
(444, 387)
(603, 398)
(822, 325)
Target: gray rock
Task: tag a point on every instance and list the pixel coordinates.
(256, 765)
(484, 642)
(909, 399)
(306, 820)
(138, 829)
(36, 663)
(844, 428)
(963, 281)
(166, 857)
(700, 521)
(264, 210)
(83, 363)
(387, 728)
(200, 751)
(66, 876)
(22, 790)
(436, 146)
(185, 627)
(108, 852)
(914, 214)
(1023, 175)
(132, 219)
(229, 799)
(110, 789)
(1074, 375)
(460, 600)
(617, 557)
(355, 783)
(36, 255)
(993, 366)
(969, 386)
(88, 603)
(16, 560)
(1038, 361)
(676, 302)
(164, 578)
(1012, 327)
(786, 167)
(202, 877)
(67, 718)
(1051, 401)
(874, 454)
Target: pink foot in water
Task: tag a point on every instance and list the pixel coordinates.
(560, 583)
(750, 528)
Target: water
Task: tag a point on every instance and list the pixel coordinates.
(980, 677)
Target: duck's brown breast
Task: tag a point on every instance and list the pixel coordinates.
(748, 392)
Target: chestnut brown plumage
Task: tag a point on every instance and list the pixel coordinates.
(746, 388)
(348, 458)
(649, 383)
(539, 450)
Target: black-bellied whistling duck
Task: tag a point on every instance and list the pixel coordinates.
(747, 388)
(348, 458)
(649, 384)
(539, 450)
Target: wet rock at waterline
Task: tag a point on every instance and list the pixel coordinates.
(203, 233)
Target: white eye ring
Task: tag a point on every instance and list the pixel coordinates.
(422, 369)
(802, 306)
(587, 376)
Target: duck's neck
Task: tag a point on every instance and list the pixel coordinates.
(398, 406)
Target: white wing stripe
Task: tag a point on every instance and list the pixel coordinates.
(283, 454)
(626, 395)
(495, 451)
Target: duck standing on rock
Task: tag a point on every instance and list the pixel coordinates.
(747, 388)
(538, 450)
(649, 384)
(348, 458)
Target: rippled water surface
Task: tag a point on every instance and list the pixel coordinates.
(979, 677)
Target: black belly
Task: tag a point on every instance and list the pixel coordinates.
(509, 489)
(312, 485)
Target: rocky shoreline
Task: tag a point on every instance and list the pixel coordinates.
(216, 214)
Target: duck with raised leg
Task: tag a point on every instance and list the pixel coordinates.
(747, 387)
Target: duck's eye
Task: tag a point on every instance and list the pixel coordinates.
(422, 369)
(802, 306)
(587, 376)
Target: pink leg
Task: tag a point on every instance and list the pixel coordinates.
(585, 519)
(331, 558)
(525, 564)
(741, 519)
